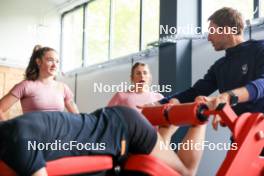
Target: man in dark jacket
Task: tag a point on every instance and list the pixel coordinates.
(238, 76)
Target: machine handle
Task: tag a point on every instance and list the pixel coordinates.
(187, 114)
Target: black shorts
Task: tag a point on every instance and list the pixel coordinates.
(142, 136)
(107, 126)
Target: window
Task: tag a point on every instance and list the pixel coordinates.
(261, 4)
(150, 21)
(125, 27)
(97, 32)
(111, 30)
(72, 35)
(210, 6)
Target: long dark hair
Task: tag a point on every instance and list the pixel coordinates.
(32, 71)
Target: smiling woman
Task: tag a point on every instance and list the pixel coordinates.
(40, 91)
(43, 63)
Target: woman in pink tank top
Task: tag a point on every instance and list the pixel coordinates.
(40, 91)
(140, 94)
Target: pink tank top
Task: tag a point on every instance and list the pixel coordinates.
(133, 100)
(37, 96)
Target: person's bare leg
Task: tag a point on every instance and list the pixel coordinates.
(40, 172)
(167, 131)
(191, 158)
(179, 162)
(168, 156)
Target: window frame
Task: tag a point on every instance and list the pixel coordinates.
(85, 56)
(61, 34)
(256, 4)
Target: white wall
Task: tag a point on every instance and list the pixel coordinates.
(24, 24)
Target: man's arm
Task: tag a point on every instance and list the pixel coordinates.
(204, 86)
(256, 87)
(242, 94)
(252, 91)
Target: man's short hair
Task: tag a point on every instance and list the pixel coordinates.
(227, 16)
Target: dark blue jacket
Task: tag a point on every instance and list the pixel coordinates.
(242, 65)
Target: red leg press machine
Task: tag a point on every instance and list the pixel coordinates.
(247, 131)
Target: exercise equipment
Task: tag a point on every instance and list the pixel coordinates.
(247, 131)
(70, 165)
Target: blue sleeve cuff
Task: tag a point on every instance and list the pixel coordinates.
(256, 89)
(252, 90)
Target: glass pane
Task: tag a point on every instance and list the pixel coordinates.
(97, 31)
(261, 8)
(210, 6)
(72, 40)
(150, 21)
(125, 27)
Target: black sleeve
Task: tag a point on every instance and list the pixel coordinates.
(256, 87)
(204, 86)
(260, 61)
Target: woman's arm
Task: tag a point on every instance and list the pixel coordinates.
(5, 103)
(115, 100)
(71, 106)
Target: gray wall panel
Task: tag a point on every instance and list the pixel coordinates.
(258, 35)
(88, 99)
